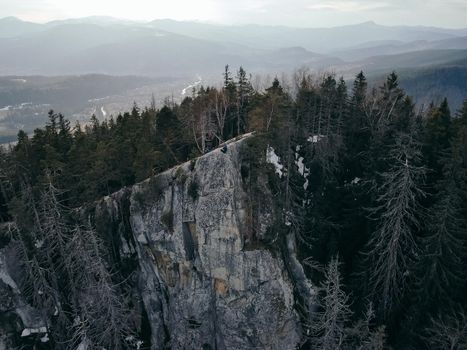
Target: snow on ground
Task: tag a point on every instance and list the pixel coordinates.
(4, 275)
(189, 87)
(315, 138)
(25, 104)
(84, 345)
(288, 215)
(28, 331)
(22, 106)
(356, 181)
(98, 99)
(104, 113)
(302, 169)
(273, 158)
(134, 341)
(5, 278)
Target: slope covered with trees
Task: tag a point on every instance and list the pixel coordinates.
(373, 190)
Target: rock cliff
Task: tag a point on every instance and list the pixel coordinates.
(202, 282)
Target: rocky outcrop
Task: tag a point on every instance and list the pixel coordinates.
(202, 275)
(202, 284)
(18, 319)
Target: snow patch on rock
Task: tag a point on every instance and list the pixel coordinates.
(302, 169)
(315, 138)
(355, 181)
(273, 158)
(28, 331)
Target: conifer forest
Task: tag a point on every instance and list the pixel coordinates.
(371, 186)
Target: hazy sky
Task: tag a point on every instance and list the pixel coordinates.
(311, 13)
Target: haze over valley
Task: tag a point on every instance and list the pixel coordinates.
(101, 65)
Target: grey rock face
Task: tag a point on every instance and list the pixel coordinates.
(203, 286)
(204, 283)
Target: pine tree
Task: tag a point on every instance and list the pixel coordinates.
(168, 138)
(359, 90)
(442, 270)
(438, 134)
(244, 91)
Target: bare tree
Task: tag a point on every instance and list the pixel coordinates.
(67, 277)
(376, 340)
(35, 284)
(330, 326)
(392, 247)
(38, 247)
(221, 107)
(447, 332)
(100, 318)
(363, 336)
(207, 117)
(382, 106)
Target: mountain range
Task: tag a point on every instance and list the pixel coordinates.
(100, 65)
(110, 46)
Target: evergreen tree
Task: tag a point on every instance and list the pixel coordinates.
(442, 270)
(438, 134)
(244, 93)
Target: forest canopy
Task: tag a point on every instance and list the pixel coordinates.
(373, 189)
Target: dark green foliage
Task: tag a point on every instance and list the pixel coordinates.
(92, 161)
(102, 157)
(372, 151)
(363, 176)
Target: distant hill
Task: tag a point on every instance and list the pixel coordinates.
(11, 27)
(434, 84)
(315, 39)
(120, 49)
(106, 45)
(408, 60)
(392, 47)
